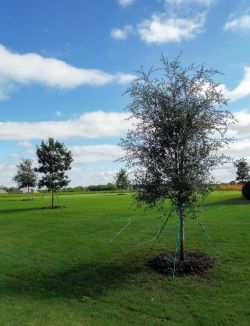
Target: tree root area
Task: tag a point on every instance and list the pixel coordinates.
(53, 207)
(194, 263)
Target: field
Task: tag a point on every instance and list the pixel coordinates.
(58, 267)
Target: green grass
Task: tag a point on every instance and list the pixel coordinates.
(58, 267)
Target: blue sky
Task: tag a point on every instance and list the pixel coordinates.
(64, 66)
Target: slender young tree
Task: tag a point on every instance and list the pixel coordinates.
(54, 160)
(26, 176)
(121, 180)
(242, 173)
(179, 124)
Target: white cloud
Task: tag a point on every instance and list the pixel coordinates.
(88, 125)
(225, 173)
(59, 114)
(94, 153)
(24, 144)
(162, 29)
(125, 3)
(83, 154)
(6, 87)
(240, 91)
(240, 148)
(30, 68)
(121, 33)
(103, 124)
(81, 176)
(238, 24)
(242, 127)
(206, 3)
(7, 172)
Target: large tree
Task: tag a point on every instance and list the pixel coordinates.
(179, 125)
(26, 176)
(121, 180)
(242, 173)
(54, 160)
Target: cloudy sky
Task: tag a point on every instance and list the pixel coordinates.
(64, 66)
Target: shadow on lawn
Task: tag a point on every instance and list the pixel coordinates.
(229, 201)
(19, 210)
(23, 199)
(79, 282)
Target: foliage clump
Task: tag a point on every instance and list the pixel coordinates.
(122, 180)
(246, 191)
(26, 176)
(179, 125)
(54, 160)
(243, 170)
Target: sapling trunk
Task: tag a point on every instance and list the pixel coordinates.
(182, 218)
(52, 198)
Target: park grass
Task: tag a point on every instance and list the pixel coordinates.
(58, 267)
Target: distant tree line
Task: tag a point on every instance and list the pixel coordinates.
(104, 187)
(53, 161)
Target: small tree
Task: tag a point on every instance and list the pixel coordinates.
(26, 176)
(242, 173)
(54, 160)
(121, 180)
(179, 125)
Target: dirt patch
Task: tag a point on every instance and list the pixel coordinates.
(194, 263)
(55, 207)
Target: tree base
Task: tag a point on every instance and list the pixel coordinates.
(194, 263)
(54, 207)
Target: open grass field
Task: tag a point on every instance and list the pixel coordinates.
(57, 267)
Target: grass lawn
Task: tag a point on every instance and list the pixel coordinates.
(59, 268)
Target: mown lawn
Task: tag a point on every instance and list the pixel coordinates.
(58, 267)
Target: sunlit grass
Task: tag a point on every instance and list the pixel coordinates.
(58, 267)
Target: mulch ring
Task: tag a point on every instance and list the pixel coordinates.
(194, 263)
(55, 207)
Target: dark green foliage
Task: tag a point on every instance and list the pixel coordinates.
(121, 180)
(246, 191)
(74, 189)
(8, 189)
(242, 173)
(179, 126)
(54, 160)
(107, 187)
(26, 176)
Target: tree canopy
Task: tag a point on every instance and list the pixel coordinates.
(26, 176)
(54, 160)
(121, 180)
(179, 124)
(242, 173)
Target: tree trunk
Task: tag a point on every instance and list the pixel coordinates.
(28, 192)
(52, 203)
(182, 217)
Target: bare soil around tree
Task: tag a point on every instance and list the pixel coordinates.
(53, 207)
(194, 263)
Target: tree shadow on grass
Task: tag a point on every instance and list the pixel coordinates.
(19, 210)
(20, 200)
(79, 282)
(229, 201)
